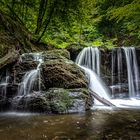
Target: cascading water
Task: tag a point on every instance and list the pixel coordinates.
(3, 86)
(132, 71)
(90, 58)
(124, 62)
(117, 66)
(31, 79)
(96, 84)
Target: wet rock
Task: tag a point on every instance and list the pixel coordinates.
(4, 104)
(82, 100)
(21, 68)
(74, 50)
(56, 54)
(56, 101)
(58, 73)
(35, 102)
(7, 92)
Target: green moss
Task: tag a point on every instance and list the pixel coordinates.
(57, 54)
(58, 73)
(59, 100)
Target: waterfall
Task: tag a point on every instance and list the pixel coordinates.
(117, 66)
(98, 86)
(31, 77)
(125, 58)
(132, 71)
(31, 57)
(3, 86)
(28, 82)
(90, 58)
(31, 80)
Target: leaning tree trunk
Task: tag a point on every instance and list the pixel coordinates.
(9, 58)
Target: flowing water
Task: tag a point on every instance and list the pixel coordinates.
(90, 58)
(103, 123)
(117, 66)
(3, 86)
(98, 86)
(133, 73)
(31, 79)
(96, 125)
(124, 61)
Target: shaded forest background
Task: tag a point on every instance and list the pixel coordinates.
(89, 22)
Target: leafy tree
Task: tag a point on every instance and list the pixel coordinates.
(90, 22)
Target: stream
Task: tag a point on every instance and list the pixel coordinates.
(99, 124)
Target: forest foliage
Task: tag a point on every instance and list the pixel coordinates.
(90, 22)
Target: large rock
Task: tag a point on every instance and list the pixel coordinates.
(57, 72)
(7, 92)
(62, 74)
(56, 101)
(20, 69)
(74, 50)
(56, 54)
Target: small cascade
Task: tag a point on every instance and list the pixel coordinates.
(90, 58)
(32, 79)
(117, 68)
(28, 82)
(3, 86)
(31, 57)
(97, 85)
(124, 62)
(132, 71)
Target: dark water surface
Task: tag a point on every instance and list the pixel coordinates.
(95, 125)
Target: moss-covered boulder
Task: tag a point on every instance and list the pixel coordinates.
(63, 74)
(56, 54)
(56, 101)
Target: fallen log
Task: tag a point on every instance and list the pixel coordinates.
(101, 99)
(9, 58)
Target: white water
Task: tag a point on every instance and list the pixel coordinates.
(96, 84)
(3, 86)
(31, 57)
(132, 71)
(117, 65)
(130, 64)
(99, 87)
(28, 82)
(90, 58)
(31, 77)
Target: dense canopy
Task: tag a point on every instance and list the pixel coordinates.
(90, 22)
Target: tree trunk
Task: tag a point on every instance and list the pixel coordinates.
(9, 58)
(100, 99)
